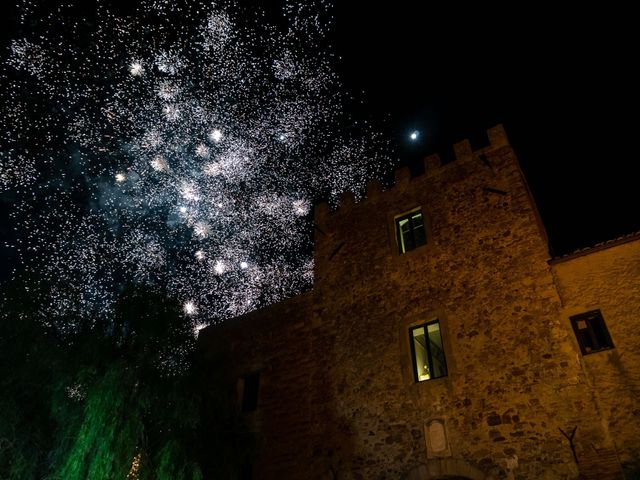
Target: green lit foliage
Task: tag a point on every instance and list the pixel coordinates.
(118, 399)
(135, 395)
(170, 464)
(106, 440)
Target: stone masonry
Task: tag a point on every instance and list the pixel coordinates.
(337, 397)
(607, 278)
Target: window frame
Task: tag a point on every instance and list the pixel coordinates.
(591, 317)
(398, 232)
(428, 350)
(248, 405)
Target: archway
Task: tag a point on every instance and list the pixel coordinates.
(456, 477)
(445, 469)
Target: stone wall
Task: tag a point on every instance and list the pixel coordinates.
(484, 274)
(608, 278)
(339, 399)
(275, 343)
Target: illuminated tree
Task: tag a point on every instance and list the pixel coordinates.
(116, 399)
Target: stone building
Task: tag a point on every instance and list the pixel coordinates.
(440, 340)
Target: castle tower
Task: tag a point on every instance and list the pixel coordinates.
(433, 344)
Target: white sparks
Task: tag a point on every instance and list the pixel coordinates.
(197, 327)
(136, 69)
(215, 135)
(75, 392)
(201, 229)
(219, 267)
(189, 192)
(171, 112)
(166, 91)
(199, 157)
(202, 150)
(168, 63)
(151, 139)
(212, 169)
(190, 308)
(301, 207)
(159, 164)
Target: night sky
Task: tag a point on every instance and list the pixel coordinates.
(560, 79)
(561, 82)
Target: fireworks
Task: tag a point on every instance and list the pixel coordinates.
(190, 308)
(159, 164)
(136, 69)
(215, 135)
(211, 133)
(219, 267)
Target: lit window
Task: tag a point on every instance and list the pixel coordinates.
(250, 384)
(410, 231)
(591, 332)
(427, 351)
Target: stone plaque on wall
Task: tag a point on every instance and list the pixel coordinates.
(435, 433)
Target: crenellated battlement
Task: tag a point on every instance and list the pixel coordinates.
(433, 300)
(463, 153)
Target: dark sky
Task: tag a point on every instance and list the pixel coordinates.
(561, 81)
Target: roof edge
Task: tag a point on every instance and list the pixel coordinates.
(596, 248)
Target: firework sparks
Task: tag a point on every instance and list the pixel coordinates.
(214, 139)
(190, 308)
(136, 69)
(215, 135)
(159, 164)
(219, 267)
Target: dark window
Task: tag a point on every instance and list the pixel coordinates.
(246, 472)
(251, 383)
(410, 231)
(427, 351)
(591, 332)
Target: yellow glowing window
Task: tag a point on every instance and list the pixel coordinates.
(410, 231)
(427, 351)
